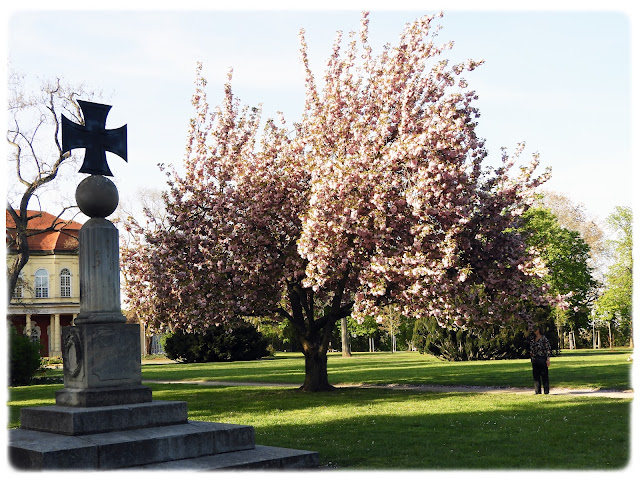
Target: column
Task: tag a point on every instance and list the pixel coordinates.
(56, 340)
(51, 335)
(27, 326)
(99, 263)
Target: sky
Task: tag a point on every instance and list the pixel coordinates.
(558, 79)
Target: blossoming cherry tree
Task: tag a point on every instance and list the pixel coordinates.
(376, 198)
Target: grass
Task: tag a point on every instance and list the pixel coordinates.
(389, 429)
(386, 429)
(577, 368)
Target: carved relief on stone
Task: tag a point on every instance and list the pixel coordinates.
(72, 355)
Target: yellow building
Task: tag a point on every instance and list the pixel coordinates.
(47, 296)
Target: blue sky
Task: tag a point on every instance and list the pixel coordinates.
(560, 80)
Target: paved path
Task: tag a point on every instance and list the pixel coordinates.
(425, 388)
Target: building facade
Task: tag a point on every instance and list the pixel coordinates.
(47, 296)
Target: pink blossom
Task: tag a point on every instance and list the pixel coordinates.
(377, 196)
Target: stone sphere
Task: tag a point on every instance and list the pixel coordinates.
(97, 196)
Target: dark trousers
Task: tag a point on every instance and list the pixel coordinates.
(540, 374)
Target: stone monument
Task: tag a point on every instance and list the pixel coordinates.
(101, 353)
(104, 418)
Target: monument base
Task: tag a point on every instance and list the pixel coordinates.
(152, 435)
(101, 356)
(102, 397)
(85, 421)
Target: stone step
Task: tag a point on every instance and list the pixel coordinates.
(87, 420)
(29, 449)
(260, 457)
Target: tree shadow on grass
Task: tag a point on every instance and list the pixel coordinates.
(385, 429)
(454, 441)
(381, 429)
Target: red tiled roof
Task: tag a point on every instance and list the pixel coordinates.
(65, 239)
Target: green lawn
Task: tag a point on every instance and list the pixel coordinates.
(387, 429)
(391, 429)
(578, 368)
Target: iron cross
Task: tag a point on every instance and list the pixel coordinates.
(95, 138)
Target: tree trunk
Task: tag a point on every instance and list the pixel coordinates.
(315, 333)
(316, 378)
(346, 344)
(560, 337)
(20, 260)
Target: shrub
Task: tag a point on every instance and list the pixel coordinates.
(490, 343)
(51, 361)
(217, 344)
(280, 335)
(24, 358)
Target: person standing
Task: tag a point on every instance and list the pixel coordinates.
(540, 350)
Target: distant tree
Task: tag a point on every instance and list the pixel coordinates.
(568, 274)
(35, 156)
(146, 203)
(377, 197)
(391, 321)
(574, 217)
(278, 333)
(361, 334)
(566, 255)
(615, 304)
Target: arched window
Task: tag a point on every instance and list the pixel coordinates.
(65, 282)
(42, 283)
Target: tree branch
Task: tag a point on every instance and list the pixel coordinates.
(281, 311)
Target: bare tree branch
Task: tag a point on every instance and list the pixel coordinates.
(37, 153)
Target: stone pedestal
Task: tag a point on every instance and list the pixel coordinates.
(92, 420)
(99, 264)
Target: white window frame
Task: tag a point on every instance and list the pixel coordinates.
(41, 283)
(65, 283)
